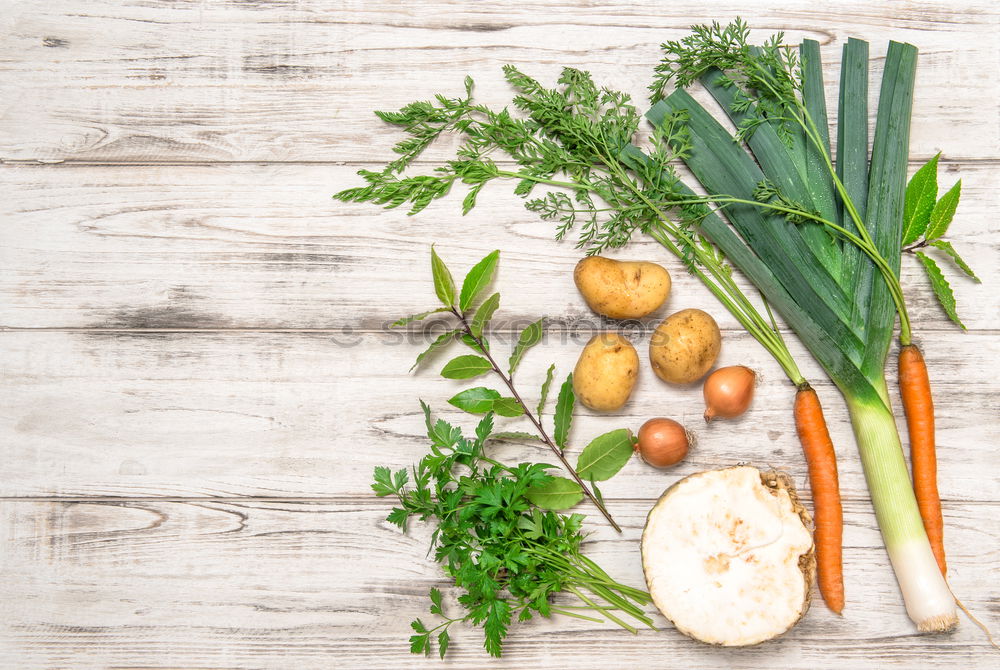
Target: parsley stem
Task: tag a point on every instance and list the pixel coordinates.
(611, 617)
(565, 612)
(446, 624)
(495, 463)
(531, 417)
(587, 573)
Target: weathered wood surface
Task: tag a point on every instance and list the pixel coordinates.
(278, 414)
(99, 81)
(248, 246)
(331, 584)
(195, 378)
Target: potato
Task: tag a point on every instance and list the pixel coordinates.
(622, 289)
(606, 372)
(684, 347)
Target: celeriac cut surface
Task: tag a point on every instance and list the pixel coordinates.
(728, 559)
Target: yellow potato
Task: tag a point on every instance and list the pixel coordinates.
(622, 289)
(606, 372)
(684, 347)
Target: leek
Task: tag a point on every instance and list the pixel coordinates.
(873, 224)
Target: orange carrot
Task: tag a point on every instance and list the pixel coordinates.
(829, 517)
(915, 388)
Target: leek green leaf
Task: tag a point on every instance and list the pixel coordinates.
(725, 168)
(717, 162)
(806, 242)
(819, 182)
(886, 194)
(852, 168)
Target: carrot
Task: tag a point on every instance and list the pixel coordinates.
(829, 517)
(915, 388)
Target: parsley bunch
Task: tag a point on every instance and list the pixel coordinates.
(508, 556)
(499, 534)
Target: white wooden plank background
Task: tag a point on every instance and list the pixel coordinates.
(196, 377)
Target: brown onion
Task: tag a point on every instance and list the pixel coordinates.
(662, 442)
(728, 392)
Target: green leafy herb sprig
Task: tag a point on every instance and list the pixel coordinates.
(498, 534)
(507, 555)
(600, 460)
(926, 220)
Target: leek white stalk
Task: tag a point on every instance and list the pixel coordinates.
(929, 601)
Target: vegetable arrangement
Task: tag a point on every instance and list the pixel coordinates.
(820, 233)
(497, 532)
(774, 95)
(583, 133)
